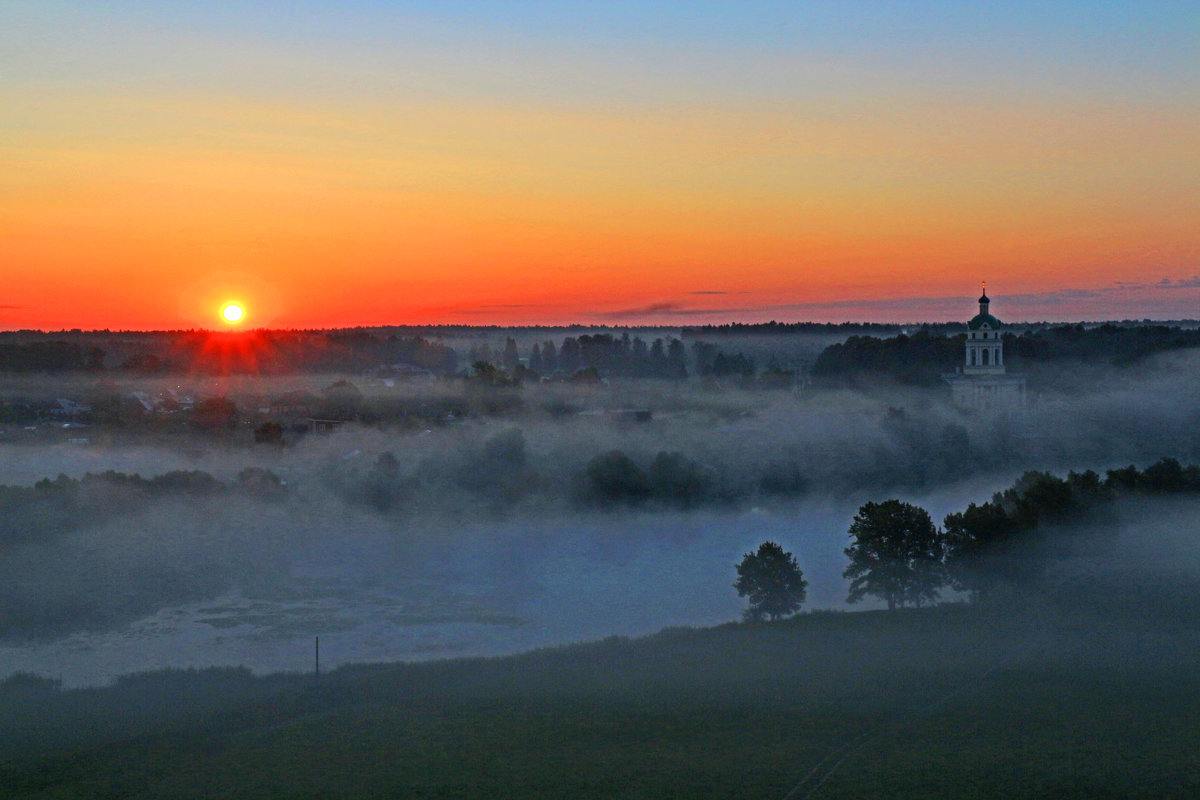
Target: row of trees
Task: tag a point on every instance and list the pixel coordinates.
(257, 352)
(710, 360)
(287, 352)
(671, 479)
(623, 356)
(918, 360)
(609, 355)
(49, 357)
(898, 555)
(921, 359)
(282, 352)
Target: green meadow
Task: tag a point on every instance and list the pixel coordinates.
(1090, 692)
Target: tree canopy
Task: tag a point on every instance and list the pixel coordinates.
(773, 582)
(896, 555)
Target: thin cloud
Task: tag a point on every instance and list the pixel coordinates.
(1053, 298)
(1058, 297)
(1183, 283)
(1164, 283)
(925, 307)
(654, 308)
(695, 312)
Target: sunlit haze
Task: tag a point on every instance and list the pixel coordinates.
(616, 163)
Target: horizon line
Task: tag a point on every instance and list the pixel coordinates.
(592, 326)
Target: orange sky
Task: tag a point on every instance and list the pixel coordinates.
(127, 202)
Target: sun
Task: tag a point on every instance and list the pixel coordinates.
(232, 312)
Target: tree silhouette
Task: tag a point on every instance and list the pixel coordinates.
(549, 357)
(613, 477)
(772, 581)
(896, 555)
(674, 478)
(510, 358)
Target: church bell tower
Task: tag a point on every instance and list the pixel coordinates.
(982, 383)
(985, 348)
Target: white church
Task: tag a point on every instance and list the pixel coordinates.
(983, 383)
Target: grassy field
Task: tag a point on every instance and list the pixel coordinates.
(1075, 696)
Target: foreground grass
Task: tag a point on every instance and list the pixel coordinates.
(1050, 699)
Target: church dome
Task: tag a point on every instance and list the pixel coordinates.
(979, 320)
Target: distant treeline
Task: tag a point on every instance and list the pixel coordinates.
(918, 358)
(1115, 344)
(792, 328)
(877, 328)
(282, 352)
(922, 358)
(251, 352)
(49, 357)
(603, 353)
(352, 350)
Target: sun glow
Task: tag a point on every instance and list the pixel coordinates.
(232, 313)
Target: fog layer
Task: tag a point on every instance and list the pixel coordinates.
(491, 532)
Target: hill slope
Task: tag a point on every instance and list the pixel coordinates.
(1092, 694)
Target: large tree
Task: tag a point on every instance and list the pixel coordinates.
(773, 582)
(896, 555)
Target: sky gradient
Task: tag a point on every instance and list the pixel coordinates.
(539, 163)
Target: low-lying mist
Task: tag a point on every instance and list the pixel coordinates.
(558, 514)
(215, 584)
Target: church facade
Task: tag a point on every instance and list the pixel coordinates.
(982, 382)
